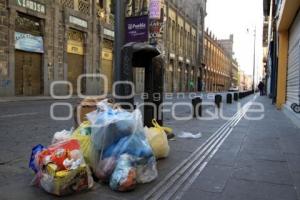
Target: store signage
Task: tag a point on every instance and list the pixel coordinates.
(75, 47)
(32, 5)
(137, 29)
(28, 42)
(109, 32)
(154, 9)
(78, 21)
(155, 30)
(107, 54)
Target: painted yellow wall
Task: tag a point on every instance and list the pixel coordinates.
(288, 11)
(282, 68)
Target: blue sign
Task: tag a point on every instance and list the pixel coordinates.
(28, 42)
(137, 29)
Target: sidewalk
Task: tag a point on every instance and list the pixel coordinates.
(20, 134)
(41, 98)
(260, 160)
(27, 98)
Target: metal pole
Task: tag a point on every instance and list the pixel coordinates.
(254, 61)
(119, 39)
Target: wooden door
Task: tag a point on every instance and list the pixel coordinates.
(107, 69)
(28, 73)
(75, 69)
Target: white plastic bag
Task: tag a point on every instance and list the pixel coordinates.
(188, 135)
(61, 136)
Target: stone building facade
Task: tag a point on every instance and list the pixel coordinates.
(218, 65)
(45, 42)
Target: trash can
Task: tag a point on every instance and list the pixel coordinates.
(229, 98)
(141, 55)
(197, 106)
(218, 100)
(236, 96)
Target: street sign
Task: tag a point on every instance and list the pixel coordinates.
(154, 9)
(136, 29)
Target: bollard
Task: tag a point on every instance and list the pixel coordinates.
(236, 96)
(229, 98)
(218, 100)
(240, 95)
(197, 106)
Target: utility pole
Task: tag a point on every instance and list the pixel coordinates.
(119, 40)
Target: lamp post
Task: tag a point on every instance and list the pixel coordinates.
(254, 60)
(119, 39)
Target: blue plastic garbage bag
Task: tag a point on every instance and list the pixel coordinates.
(112, 125)
(35, 151)
(135, 145)
(124, 176)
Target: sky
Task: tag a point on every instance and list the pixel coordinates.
(236, 16)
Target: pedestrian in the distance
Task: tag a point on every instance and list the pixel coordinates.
(261, 87)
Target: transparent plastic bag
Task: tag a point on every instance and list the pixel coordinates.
(124, 176)
(62, 169)
(61, 136)
(135, 146)
(112, 125)
(187, 135)
(83, 135)
(146, 170)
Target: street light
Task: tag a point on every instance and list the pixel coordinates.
(119, 10)
(254, 57)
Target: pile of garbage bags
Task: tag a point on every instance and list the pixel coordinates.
(112, 145)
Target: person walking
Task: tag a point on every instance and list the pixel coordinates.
(261, 87)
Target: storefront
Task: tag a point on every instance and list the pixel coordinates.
(186, 78)
(106, 67)
(293, 71)
(75, 58)
(178, 78)
(170, 76)
(29, 50)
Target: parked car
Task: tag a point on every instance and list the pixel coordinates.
(233, 89)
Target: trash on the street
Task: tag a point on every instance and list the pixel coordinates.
(111, 125)
(119, 136)
(61, 136)
(158, 141)
(87, 105)
(83, 135)
(105, 168)
(146, 170)
(113, 143)
(124, 176)
(188, 135)
(61, 168)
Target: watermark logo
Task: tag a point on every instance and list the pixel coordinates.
(177, 106)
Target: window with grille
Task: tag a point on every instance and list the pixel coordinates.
(67, 3)
(79, 5)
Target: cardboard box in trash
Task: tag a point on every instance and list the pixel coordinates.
(86, 106)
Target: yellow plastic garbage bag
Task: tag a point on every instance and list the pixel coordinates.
(158, 140)
(83, 135)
